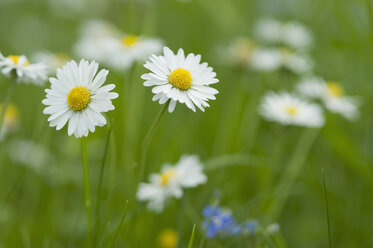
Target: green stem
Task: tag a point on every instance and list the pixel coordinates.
(327, 208)
(148, 139)
(8, 96)
(87, 195)
(291, 172)
(100, 182)
(120, 224)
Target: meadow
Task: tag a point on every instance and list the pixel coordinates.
(262, 176)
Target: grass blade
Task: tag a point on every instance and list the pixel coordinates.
(326, 206)
(120, 224)
(190, 245)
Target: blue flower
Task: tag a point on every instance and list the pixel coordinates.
(218, 221)
(250, 226)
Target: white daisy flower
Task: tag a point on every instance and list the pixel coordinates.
(53, 60)
(331, 94)
(77, 96)
(239, 51)
(266, 59)
(180, 79)
(26, 72)
(187, 173)
(292, 34)
(271, 59)
(291, 110)
(130, 48)
(102, 42)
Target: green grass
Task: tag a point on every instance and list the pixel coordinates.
(245, 157)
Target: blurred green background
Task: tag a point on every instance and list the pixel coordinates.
(41, 205)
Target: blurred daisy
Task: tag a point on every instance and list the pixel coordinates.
(78, 97)
(292, 34)
(180, 79)
(239, 51)
(129, 48)
(102, 42)
(53, 60)
(271, 59)
(288, 109)
(331, 94)
(11, 120)
(25, 72)
(187, 173)
(168, 238)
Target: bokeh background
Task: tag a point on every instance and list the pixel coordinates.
(41, 187)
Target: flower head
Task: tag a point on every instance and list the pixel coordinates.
(11, 120)
(168, 238)
(331, 94)
(102, 42)
(187, 173)
(288, 109)
(218, 221)
(292, 34)
(180, 79)
(53, 60)
(23, 69)
(78, 97)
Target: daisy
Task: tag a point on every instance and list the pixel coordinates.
(180, 79)
(292, 34)
(78, 97)
(239, 51)
(53, 60)
(11, 120)
(331, 94)
(187, 173)
(291, 110)
(25, 72)
(103, 42)
(271, 59)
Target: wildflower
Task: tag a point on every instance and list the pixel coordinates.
(102, 42)
(187, 173)
(78, 97)
(331, 94)
(168, 238)
(240, 51)
(272, 228)
(11, 120)
(180, 79)
(24, 70)
(292, 34)
(218, 221)
(271, 59)
(250, 227)
(288, 109)
(53, 60)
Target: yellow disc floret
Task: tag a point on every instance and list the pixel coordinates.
(335, 89)
(78, 98)
(15, 59)
(168, 238)
(166, 176)
(129, 40)
(181, 78)
(292, 110)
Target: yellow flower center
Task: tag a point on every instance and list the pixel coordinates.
(11, 115)
(15, 59)
(78, 98)
(292, 110)
(335, 89)
(181, 78)
(168, 239)
(166, 176)
(129, 40)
